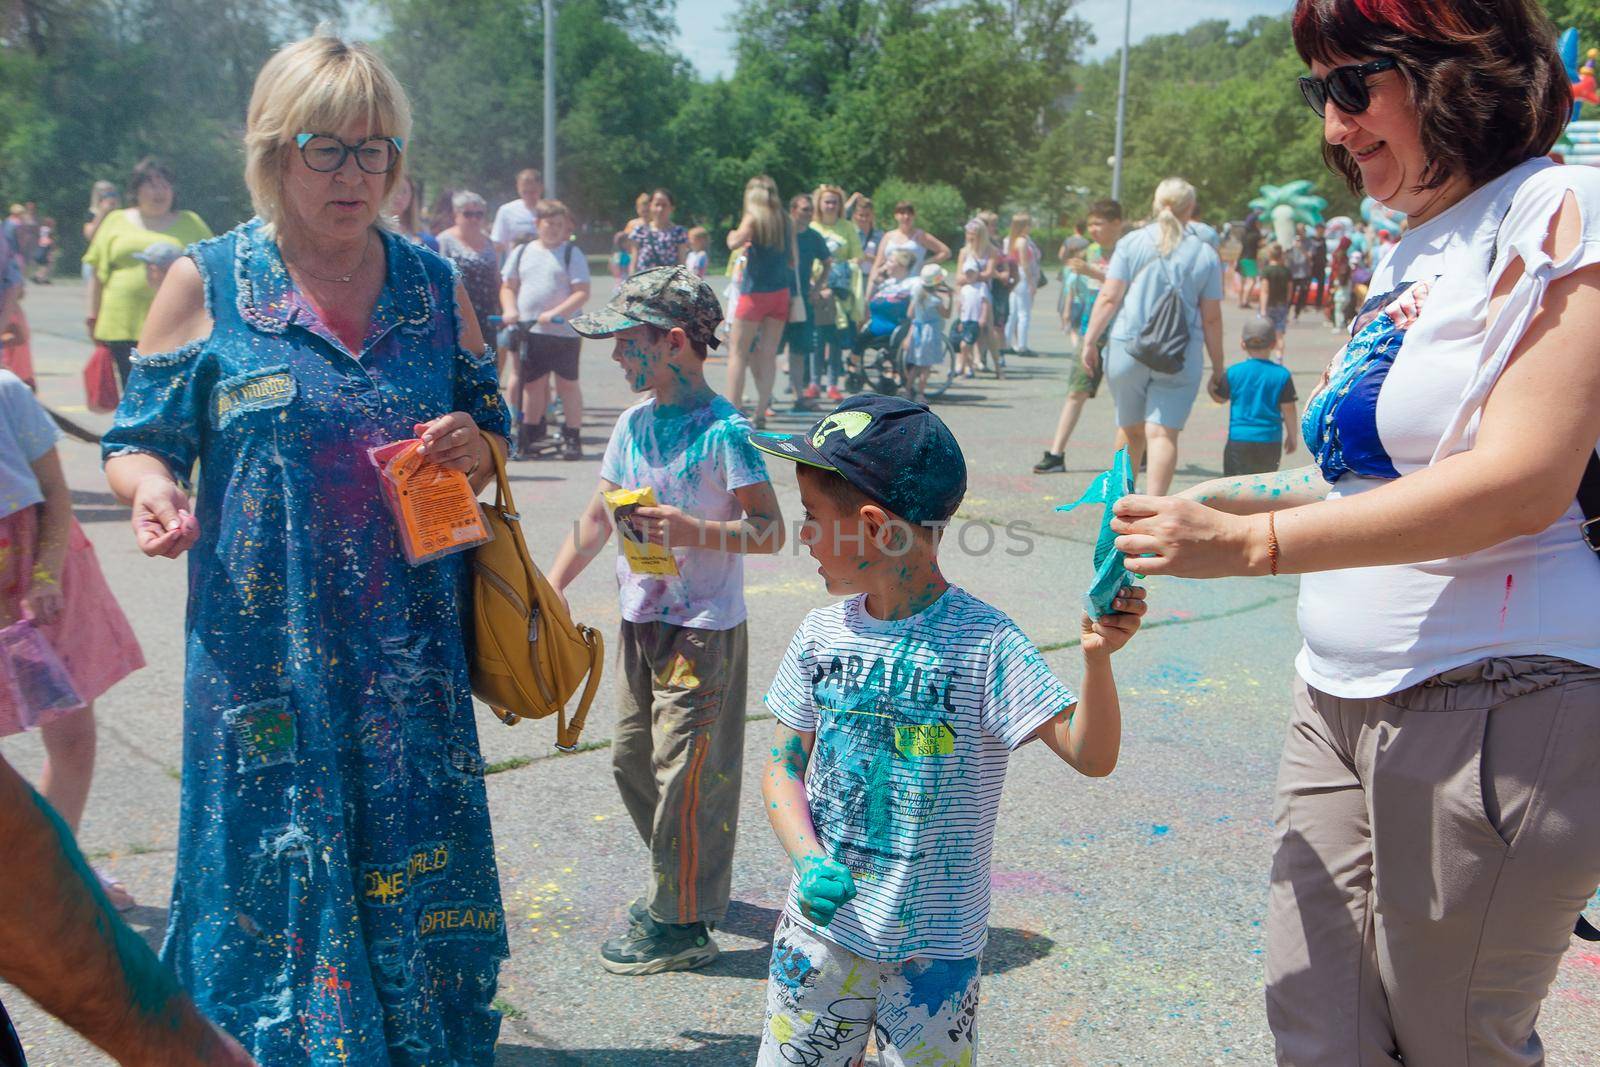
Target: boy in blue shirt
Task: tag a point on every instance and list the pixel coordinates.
(897, 711)
(1262, 417)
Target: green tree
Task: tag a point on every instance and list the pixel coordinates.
(474, 70)
(87, 87)
(1584, 15)
(943, 92)
(940, 209)
(1216, 105)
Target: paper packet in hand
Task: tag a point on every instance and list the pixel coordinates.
(436, 513)
(1110, 575)
(643, 556)
(33, 677)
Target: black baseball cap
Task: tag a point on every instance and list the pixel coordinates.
(899, 454)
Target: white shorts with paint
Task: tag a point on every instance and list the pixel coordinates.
(824, 1002)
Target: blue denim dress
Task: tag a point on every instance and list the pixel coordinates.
(336, 899)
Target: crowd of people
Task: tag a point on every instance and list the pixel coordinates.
(336, 896)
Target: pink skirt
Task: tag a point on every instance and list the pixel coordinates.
(16, 354)
(91, 635)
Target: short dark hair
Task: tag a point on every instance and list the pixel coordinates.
(833, 485)
(657, 333)
(148, 169)
(1484, 76)
(848, 498)
(1107, 209)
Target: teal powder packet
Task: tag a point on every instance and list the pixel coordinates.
(1110, 574)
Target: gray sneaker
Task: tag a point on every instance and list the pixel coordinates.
(650, 947)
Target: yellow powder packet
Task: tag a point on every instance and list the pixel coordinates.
(643, 556)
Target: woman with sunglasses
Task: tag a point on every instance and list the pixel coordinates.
(1437, 830)
(336, 899)
(467, 245)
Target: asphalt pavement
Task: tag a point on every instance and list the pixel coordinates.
(1126, 923)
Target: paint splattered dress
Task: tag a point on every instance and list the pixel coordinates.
(336, 898)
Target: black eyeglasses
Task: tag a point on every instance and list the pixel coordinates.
(1345, 86)
(472, 214)
(325, 153)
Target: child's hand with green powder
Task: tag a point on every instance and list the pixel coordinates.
(825, 884)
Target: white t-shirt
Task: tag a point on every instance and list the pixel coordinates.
(895, 241)
(513, 222)
(973, 296)
(544, 280)
(694, 460)
(915, 720)
(699, 260)
(1371, 631)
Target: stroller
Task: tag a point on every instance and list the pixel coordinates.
(878, 361)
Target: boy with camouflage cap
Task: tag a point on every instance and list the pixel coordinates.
(680, 733)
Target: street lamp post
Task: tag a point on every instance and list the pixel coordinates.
(550, 98)
(1122, 100)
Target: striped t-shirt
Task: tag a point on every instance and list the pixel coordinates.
(914, 720)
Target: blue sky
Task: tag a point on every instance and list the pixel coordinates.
(709, 46)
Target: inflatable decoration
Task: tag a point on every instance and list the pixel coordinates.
(1583, 90)
(1580, 141)
(1337, 228)
(1387, 222)
(1287, 205)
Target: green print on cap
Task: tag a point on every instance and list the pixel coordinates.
(851, 422)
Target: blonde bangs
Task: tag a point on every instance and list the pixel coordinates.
(321, 84)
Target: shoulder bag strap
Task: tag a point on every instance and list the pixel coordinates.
(502, 484)
(1589, 502)
(567, 732)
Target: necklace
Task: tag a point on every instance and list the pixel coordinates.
(365, 248)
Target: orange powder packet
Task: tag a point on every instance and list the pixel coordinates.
(436, 512)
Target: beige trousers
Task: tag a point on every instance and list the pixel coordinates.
(1434, 848)
(678, 759)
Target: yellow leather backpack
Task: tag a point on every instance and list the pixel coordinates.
(529, 656)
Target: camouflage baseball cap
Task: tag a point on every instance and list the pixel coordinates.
(663, 297)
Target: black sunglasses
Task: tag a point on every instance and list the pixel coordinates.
(1345, 86)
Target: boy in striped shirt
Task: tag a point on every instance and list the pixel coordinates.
(897, 710)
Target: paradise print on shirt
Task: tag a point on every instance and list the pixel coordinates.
(884, 753)
(913, 723)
